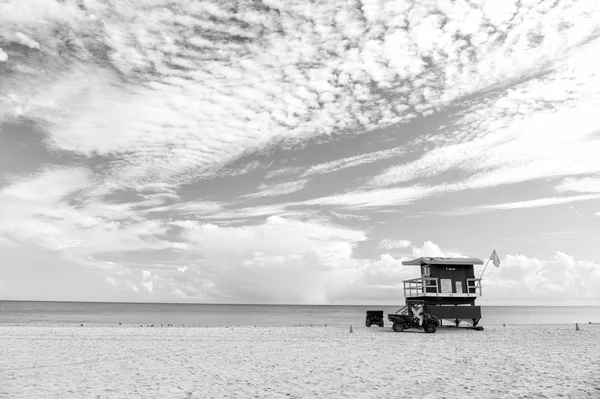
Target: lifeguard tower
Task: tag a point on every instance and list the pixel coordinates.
(448, 287)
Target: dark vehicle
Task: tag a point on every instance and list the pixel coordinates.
(414, 315)
(374, 317)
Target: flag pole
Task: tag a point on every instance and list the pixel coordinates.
(486, 265)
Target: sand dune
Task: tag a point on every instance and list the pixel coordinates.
(545, 361)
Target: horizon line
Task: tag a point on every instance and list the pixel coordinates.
(523, 304)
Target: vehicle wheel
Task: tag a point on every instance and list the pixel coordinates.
(398, 327)
(381, 324)
(430, 328)
(368, 323)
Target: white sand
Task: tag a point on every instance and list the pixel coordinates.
(547, 361)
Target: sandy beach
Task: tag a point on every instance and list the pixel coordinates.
(543, 361)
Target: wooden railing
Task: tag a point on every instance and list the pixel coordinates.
(474, 286)
(430, 286)
(418, 286)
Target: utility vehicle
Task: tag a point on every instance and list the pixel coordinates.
(414, 315)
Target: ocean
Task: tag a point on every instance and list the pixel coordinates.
(213, 315)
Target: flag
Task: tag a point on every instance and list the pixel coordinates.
(495, 259)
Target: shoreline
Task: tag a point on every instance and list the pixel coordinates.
(267, 316)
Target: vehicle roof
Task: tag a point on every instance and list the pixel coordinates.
(443, 261)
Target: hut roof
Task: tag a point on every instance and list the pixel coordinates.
(443, 261)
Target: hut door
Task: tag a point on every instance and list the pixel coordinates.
(459, 289)
(446, 284)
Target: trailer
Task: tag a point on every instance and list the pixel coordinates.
(374, 317)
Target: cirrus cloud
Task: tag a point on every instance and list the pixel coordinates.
(163, 85)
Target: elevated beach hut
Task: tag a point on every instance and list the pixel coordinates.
(447, 286)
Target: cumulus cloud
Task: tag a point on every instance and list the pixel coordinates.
(381, 280)
(3, 55)
(132, 286)
(390, 244)
(429, 249)
(386, 271)
(148, 285)
(561, 279)
(281, 260)
(519, 279)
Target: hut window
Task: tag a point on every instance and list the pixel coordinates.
(426, 271)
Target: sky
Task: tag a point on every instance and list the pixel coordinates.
(297, 152)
